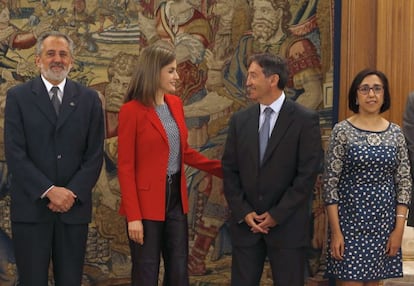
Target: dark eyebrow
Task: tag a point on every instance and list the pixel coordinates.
(365, 84)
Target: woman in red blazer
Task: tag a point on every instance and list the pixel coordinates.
(152, 151)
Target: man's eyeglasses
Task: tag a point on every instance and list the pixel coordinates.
(365, 89)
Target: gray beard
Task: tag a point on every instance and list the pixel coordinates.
(49, 74)
(55, 77)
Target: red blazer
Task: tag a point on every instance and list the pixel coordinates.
(143, 159)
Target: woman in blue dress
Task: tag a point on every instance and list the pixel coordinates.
(367, 188)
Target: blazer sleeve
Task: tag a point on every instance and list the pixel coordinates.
(233, 190)
(310, 157)
(127, 141)
(199, 161)
(86, 177)
(192, 157)
(33, 181)
(408, 129)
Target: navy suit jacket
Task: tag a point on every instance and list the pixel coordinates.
(43, 149)
(283, 184)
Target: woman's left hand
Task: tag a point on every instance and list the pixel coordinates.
(136, 231)
(394, 243)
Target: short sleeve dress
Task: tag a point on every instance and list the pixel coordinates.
(367, 174)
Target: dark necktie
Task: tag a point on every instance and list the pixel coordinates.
(264, 132)
(55, 99)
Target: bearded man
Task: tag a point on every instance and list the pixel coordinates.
(54, 133)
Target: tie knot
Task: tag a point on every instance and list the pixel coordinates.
(55, 90)
(267, 111)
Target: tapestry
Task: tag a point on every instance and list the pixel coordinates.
(213, 39)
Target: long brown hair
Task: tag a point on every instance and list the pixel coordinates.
(146, 80)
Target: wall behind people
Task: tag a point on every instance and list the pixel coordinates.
(213, 39)
(377, 34)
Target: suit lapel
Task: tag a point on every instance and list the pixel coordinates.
(252, 123)
(156, 122)
(283, 122)
(42, 100)
(70, 102)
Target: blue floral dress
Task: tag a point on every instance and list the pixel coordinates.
(367, 174)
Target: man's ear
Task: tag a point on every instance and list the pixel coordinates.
(274, 79)
(37, 61)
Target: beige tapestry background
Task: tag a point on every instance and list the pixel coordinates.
(213, 39)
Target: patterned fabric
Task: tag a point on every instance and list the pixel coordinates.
(55, 99)
(173, 135)
(367, 174)
(264, 132)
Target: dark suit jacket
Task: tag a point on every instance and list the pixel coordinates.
(283, 184)
(408, 129)
(43, 149)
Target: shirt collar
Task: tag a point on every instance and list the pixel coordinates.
(49, 86)
(275, 105)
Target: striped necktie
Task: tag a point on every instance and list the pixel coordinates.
(264, 132)
(55, 99)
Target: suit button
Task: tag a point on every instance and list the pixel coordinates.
(260, 197)
(59, 156)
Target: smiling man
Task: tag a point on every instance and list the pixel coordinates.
(54, 134)
(270, 164)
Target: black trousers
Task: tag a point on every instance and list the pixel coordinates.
(287, 265)
(168, 238)
(35, 243)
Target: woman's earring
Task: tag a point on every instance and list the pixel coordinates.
(356, 101)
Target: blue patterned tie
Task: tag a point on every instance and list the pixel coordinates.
(264, 132)
(55, 99)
